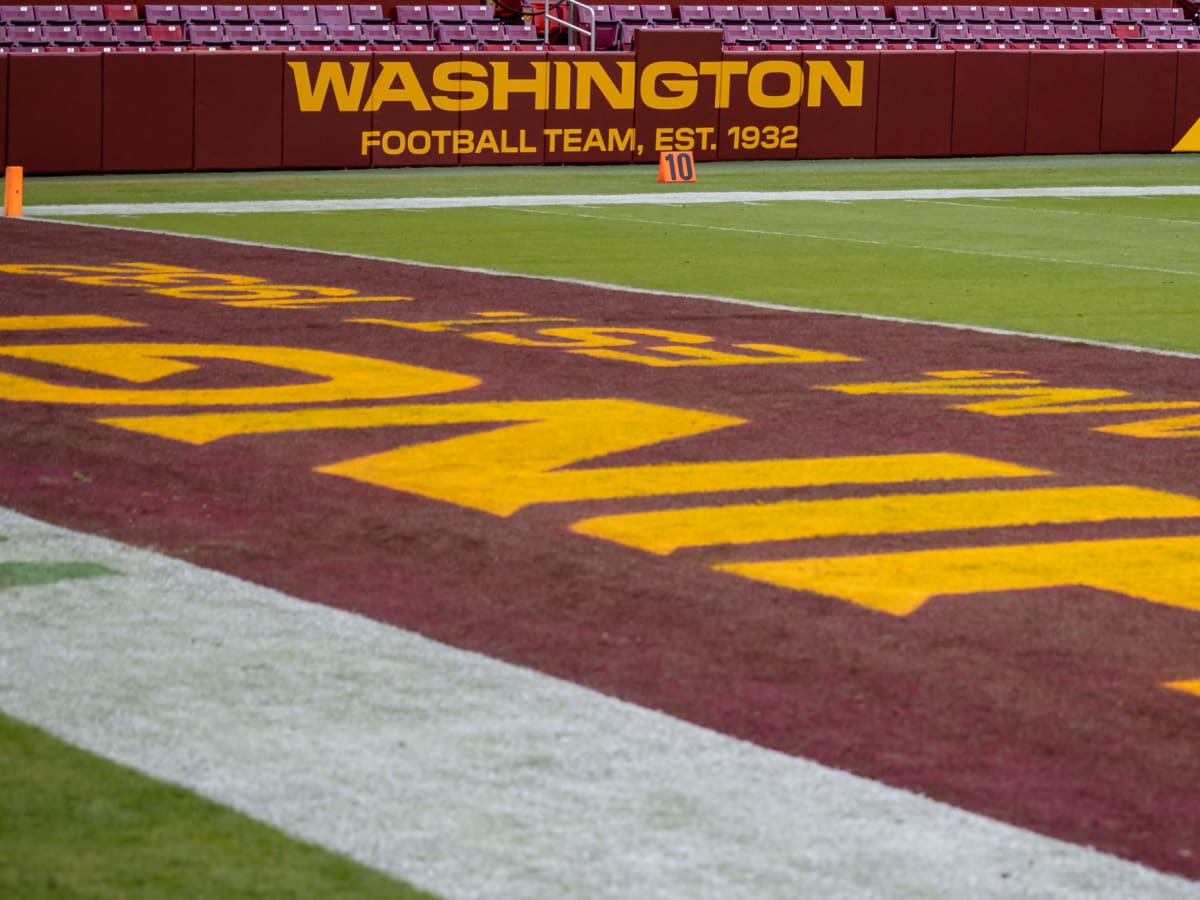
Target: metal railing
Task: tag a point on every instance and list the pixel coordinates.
(576, 13)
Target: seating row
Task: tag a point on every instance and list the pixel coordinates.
(957, 31)
(624, 14)
(692, 14)
(276, 34)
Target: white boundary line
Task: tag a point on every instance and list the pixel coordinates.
(650, 199)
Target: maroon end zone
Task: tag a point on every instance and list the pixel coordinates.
(1056, 687)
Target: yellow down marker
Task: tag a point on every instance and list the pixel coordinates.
(667, 530)
(1161, 570)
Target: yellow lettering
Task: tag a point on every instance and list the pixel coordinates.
(594, 75)
(407, 87)
(667, 530)
(1161, 570)
(678, 79)
(792, 75)
(824, 73)
(1018, 396)
(504, 84)
(343, 377)
(1176, 427)
(311, 94)
(54, 323)
(455, 78)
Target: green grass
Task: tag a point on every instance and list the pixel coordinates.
(1115, 270)
(74, 826)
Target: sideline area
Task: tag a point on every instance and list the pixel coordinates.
(649, 199)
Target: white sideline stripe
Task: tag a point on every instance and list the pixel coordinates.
(467, 776)
(648, 199)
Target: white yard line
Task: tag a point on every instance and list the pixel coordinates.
(842, 239)
(671, 198)
(468, 776)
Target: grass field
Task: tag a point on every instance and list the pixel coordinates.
(1118, 270)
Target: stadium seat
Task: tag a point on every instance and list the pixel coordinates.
(95, 34)
(345, 32)
(909, 13)
(300, 15)
(53, 15)
(1011, 32)
(872, 14)
(1098, 32)
(131, 34)
(918, 32)
(368, 13)
(266, 14)
(227, 13)
(813, 13)
(159, 13)
(278, 34)
(410, 13)
(785, 14)
(451, 35)
(691, 14)
(449, 14)
(328, 14)
(378, 32)
(970, 14)
(166, 33)
(206, 34)
(18, 15)
(1084, 15)
(414, 33)
(311, 34)
(191, 12)
(113, 12)
(62, 35)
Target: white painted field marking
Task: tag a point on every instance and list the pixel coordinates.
(467, 776)
(673, 198)
(842, 239)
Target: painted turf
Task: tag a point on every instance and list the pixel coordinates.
(674, 198)
(465, 775)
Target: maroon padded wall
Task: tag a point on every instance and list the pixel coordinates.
(326, 138)
(147, 111)
(990, 91)
(3, 109)
(830, 131)
(1065, 101)
(511, 135)
(405, 136)
(1139, 100)
(677, 129)
(239, 111)
(1187, 95)
(748, 131)
(579, 131)
(54, 112)
(916, 103)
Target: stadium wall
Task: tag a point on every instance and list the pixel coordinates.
(208, 111)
